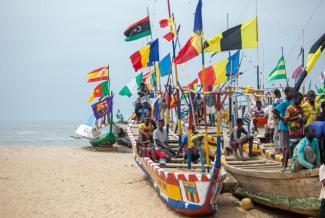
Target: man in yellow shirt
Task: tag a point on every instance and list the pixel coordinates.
(310, 108)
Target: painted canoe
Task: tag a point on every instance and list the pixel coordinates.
(102, 140)
(187, 192)
(264, 183)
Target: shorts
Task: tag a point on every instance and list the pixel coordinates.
(210, 110)
(284, 139)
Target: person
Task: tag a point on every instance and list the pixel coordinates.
(321, 114)
(310, 108)
(119, 116)
(257, 111)
(210, 106)
(322, 192)
(276, 135)
(306, 155)
(145, 139)
(279, 112)
(184, 147)
(294, 119)
(162, 150)
(237, 141)
(200, 110)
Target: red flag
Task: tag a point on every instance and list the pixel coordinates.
(297, 72)
(169, 36)
(191, 49)
(165, 22)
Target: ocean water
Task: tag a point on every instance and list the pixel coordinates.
(40, 133)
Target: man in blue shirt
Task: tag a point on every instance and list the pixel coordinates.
(279, 112)
(306, 154)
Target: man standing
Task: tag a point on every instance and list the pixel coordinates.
(210, 107)
(294, 119)
(310, 108)
(279, 113)
(306, 154)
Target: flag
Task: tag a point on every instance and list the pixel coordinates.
(279, 71)
(214, 74)
(191, 49)
(98, 74)
(138, 30)
(233, 64)
(132, 87)
(242, 36)
(198, 19)
(102, 107)
(165, 65)
(146, 76)
(100, 91)
(154, 52)
(166, 22)
(140, 58)
(322, 77)
(295, 74)
(192, 85)
(170, 35)
(315, 53)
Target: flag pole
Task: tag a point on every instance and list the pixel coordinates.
(257, 56)
(179, 115)
(284, 65)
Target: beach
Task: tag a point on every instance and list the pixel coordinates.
(70, 181)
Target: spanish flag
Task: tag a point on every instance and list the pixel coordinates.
(140, 58)
(191, 49)
(242, 36)
(214, 74)
(98, 75)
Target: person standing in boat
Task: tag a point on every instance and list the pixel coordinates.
(294, 117)
(237, 141)
(279, 112)
(310, 107)
(322, 192)
(306, 155)
(272, 118)
(162, 150)
(210, 106)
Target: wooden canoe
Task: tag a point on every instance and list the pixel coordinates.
(187, 191)
(264, 183)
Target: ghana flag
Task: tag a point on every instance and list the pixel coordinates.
(314, 54)
(244, 35)
(138, 30)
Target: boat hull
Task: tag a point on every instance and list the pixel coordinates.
(295, 192)
(187, 193)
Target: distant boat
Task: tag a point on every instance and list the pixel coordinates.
(264, 183)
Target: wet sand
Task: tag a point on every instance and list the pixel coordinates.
(68, 181)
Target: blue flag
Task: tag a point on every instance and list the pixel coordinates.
(165, 65)
(198, 18)
(154, 52)
(156, 109)
(102, 107)
(233, 64)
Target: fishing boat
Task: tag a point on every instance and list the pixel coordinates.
(264, 183)
(187, 191)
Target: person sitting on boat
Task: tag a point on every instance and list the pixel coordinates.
(184, 146)
(210, 106)
(237, 141)
(310, 108)
(145, 139)
(294, 117)
(162, 150)
(306, 155)
(279, 112)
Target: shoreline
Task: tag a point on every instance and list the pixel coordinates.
(70, 181)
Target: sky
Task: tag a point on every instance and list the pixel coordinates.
(48, 47)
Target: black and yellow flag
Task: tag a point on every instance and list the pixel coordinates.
(315, 53)
(244, 35)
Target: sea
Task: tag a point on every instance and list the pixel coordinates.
(41, 133)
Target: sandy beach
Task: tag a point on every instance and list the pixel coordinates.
(69, 181)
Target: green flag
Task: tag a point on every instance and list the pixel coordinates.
(132, 87)
(279, 71)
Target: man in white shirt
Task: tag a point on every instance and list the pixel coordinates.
(160, 139)
(322, 192)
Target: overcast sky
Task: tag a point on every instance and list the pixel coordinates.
(48, 47)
